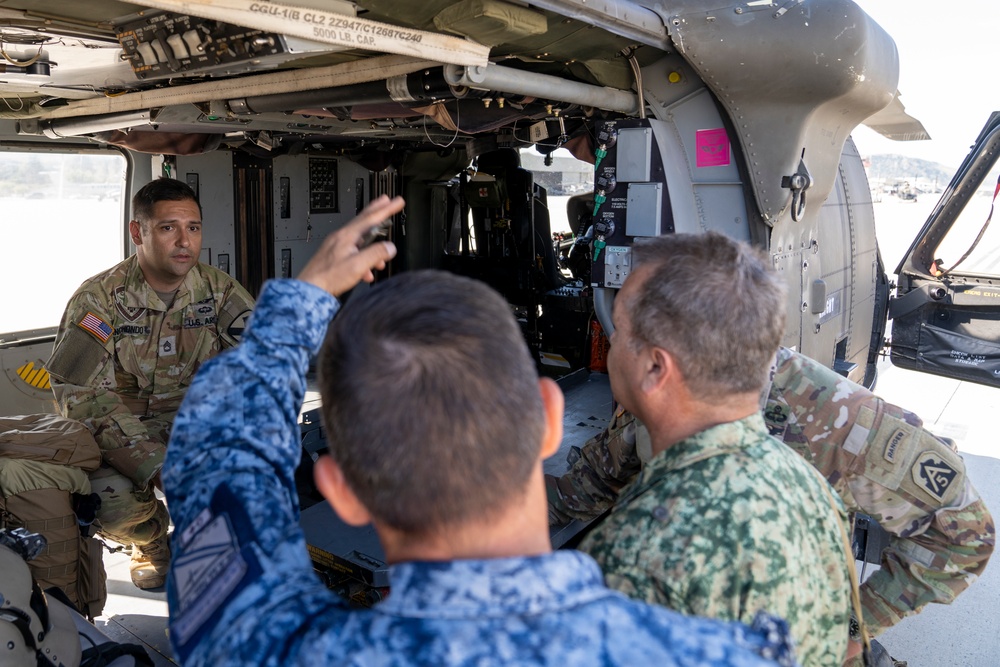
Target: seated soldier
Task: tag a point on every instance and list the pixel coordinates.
(128, 346)
(724, 520)
(437, 424)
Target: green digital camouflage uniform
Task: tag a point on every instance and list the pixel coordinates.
(878, 458)
(730, 522)
(121, 364)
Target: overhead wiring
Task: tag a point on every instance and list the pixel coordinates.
(20, 63)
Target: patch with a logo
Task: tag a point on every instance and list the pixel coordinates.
(933, 474)
(168, 346)
(130, 313)
(776, 418)
(239, 324)
(893, 445)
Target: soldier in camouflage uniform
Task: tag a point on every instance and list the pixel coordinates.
(876, 455)
(437, 425)
(128, 346)
(723, 520)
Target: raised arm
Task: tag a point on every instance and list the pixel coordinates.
(229, 475)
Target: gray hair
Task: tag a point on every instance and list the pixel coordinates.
(714, 304)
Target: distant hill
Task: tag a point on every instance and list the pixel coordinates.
(893, 167)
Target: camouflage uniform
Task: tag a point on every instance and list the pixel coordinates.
(884, 464)
(121, 364)
(876, 455)
(729, 522)
(242, 590)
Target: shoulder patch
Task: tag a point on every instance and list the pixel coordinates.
(78, 358)
(892, 446)
(933, 474)
(239, 323)
(97, 327)
(215, 560)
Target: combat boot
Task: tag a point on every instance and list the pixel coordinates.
(149, 563)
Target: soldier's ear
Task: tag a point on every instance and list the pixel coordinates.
(135, 232)
(554, 403)
(660, 369)
(331, 483)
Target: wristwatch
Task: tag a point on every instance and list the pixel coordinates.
(854, 629)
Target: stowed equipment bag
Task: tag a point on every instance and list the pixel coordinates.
(44, 461)
(41, 628)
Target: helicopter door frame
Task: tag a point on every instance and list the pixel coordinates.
(947, 322)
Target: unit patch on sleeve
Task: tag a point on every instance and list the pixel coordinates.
(933, 474)
(99, 328)
(893, 445)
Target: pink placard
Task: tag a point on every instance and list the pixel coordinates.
(712, 147)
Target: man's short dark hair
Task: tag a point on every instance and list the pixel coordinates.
(715, 304)
(162, 189)
(431, 401)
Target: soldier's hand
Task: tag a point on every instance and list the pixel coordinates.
(339, 264)
(854, 649)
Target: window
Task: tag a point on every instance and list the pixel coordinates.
(62, 222)
(563, 179)
(985, 259)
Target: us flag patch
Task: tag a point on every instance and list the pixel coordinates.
(95, 325)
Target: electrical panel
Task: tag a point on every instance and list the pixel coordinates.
(630, 197)
(322, 185)
(165, 44)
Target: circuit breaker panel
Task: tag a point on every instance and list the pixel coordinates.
(630, 197)
(159, 44)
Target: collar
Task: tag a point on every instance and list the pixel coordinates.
(495, 588)
(721, 439)
(138, 294)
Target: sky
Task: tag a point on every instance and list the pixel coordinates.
(947, 57)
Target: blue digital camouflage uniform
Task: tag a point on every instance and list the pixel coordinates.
(242, 590)
(121, 364)
(727, 523)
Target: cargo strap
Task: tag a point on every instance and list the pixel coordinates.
(979, 238)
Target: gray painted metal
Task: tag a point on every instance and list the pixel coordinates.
(702, 198)
(508, 80)
(57, 129)
(620, 17)
(794, 82)
(17, 350)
